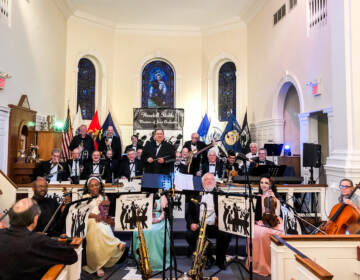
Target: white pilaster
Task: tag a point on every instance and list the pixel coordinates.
(4, 137)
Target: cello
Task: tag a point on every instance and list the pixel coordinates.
(341, 216)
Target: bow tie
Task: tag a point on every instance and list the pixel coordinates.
(131, 162)
(212, 164)
(76, 160)
(94, 163)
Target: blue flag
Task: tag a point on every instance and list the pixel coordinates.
(107, 122)
(231, 135)
(204, 127)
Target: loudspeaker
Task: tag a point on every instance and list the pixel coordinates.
(311, 155)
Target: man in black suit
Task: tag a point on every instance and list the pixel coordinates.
(231, 166)
(193, 217)
(48, 206)
(111, 142)
(194, 145)
(213, 166)
(96, 167)
(24, 253)
(261, 159)
(52, 169)
(130, 165)
(84, 142)
(114, 164)
(158, 155)
(74, 166)
(182, 163)
(134, 144)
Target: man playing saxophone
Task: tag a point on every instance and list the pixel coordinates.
(195, 213)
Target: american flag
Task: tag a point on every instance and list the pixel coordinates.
(67, 136)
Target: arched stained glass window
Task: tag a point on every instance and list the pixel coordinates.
(227, 91)
(86, 88)
(157, 85)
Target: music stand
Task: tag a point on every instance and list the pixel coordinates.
(250, 196)
(164, 182)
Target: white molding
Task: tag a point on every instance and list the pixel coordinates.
(268, 131)
(4, 137)
(281, 92)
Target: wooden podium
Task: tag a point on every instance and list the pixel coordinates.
(23, 172)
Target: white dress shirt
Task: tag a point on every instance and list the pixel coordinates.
(208, 198)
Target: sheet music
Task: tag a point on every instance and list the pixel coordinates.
(183, 182)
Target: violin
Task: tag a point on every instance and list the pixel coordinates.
(269, 217)
(341, 217)
(104, 207)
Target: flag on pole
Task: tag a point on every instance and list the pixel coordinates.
(204, 127)
(109, 121)
(245, 137)
(78, 120)
(94, 129)
(66, 138)
(231, 135)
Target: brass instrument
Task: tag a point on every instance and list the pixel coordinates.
(144, 265)
(199, 258)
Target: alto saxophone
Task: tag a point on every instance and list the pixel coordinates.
(144, 265)
(199, 258)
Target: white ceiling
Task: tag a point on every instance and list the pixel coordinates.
(171, 13)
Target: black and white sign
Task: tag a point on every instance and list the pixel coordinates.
(127, 206)
(179, 206)
(151, 118)
(77, 219)
(234, 216)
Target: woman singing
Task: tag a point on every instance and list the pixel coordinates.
(103, 249)
(267, 222)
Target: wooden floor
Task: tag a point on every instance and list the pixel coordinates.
(128, 271)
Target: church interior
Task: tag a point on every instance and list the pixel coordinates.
(285, 72)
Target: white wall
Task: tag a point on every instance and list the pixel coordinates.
(291, 119)
(32, 51)
(286, 50)
(121, 56)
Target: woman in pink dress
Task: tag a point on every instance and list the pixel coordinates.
(266, 224)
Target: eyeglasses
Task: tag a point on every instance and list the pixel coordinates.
(344, 187)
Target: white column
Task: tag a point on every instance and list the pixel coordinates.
(4, 137)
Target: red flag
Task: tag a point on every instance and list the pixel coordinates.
(94, 128)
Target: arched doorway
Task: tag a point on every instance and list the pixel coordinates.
(291, 119)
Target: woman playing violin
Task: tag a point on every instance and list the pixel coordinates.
(267, 222)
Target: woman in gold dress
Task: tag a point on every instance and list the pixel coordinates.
(103, 249)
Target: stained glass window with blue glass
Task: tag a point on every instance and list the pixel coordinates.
(227, 91)
(157, 85)
(86, 88)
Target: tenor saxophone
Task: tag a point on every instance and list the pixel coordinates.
(144, 265)
(199, 257)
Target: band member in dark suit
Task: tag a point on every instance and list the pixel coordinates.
(158, 155)
(231, 167)
(48, 206)
(113, 164)
(182, 164)
(74, 166)
(134, 144)
(261, 159)
(52, 170)
(130, 165)
(194, 145)
(96, 167)
(26, 254)
(84, 142)
(194, 215)
(213, 166)
(111, 142)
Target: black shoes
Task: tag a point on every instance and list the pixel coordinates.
(221, 265)
(209, 263)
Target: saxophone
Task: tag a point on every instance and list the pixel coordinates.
(144, 265)
(199, 258)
